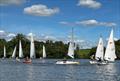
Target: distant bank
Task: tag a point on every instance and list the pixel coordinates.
(57, 49)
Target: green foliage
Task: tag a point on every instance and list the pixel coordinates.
(53, 49)
(117, 46)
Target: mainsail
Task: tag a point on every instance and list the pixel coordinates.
(44, 52)
(71, 50)
(32, 47)
(100, 50)
(14, 52)
(110, 49)
(20, 50)
(71, 47)
(4, 52)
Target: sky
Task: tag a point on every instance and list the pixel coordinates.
(55, 18)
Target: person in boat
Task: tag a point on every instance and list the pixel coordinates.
(99, 59)
(27, 59)
(64, 60)
(92, 57)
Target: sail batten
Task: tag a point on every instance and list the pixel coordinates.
(110, 49)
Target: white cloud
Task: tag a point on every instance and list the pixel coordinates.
(63, 22)
(11, 35)
(11, 2)
(2, 32)
(89, 3)
(30, 34)
(88, 22)
(6, 35)
(91, 22)
(40, 10)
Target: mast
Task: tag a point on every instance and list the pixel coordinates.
(72, 35)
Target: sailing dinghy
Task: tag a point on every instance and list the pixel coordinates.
(99, 55)
(70, 53)
(32, 51)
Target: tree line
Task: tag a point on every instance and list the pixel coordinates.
(56, 49)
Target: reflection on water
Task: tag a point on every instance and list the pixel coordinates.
(108, 72)
(47, 70)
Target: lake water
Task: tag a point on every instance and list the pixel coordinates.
(47, 70)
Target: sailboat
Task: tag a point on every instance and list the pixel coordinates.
(32, 48)
(32, 51)
(99, 55)
(44, 52)
(70, 53)
(20, 52)
(14, 52)
(4, 55)
(110, 49)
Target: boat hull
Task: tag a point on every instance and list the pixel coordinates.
(67, 62)
(27, 62)
(100, 63)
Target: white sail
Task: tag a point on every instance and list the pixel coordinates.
(4, 52)
(44, 52)
(110, 49)
(14, 52)
(32, 47)
(100, 50)
(20, 50)
(71, 50)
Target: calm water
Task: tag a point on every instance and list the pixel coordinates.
(47, 70)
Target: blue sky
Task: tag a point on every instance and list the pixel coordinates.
(56, 17)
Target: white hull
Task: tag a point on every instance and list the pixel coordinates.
(96, 62)
(93, 62)
(67, 62)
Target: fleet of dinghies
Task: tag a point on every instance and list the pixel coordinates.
(100, 57)
(109, 56)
